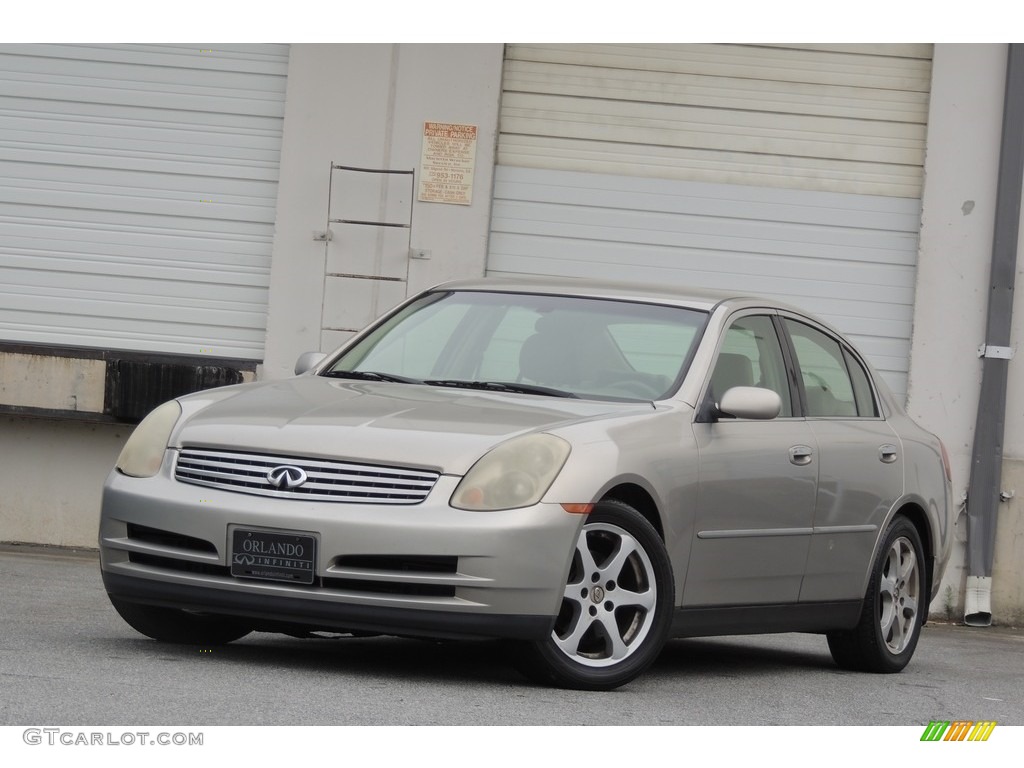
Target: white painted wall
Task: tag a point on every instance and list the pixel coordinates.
(958, 210)
(365, 105)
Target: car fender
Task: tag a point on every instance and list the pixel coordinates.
(925, 513)
(653, 459)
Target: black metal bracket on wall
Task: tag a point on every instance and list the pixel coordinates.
(135, 387)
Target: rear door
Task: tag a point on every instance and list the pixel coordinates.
(860, 462)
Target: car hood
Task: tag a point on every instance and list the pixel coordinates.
(397, 424)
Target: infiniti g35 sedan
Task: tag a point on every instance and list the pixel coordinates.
(583, 469)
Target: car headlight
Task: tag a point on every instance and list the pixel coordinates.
(514, 474)
(144, 451)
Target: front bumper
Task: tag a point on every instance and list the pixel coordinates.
(425, 569)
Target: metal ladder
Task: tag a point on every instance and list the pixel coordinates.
(339, 218)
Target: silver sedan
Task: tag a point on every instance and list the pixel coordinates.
(585, 469)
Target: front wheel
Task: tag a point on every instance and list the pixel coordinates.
(894, 607)
(616, 609)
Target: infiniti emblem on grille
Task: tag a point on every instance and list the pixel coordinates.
(286, 477)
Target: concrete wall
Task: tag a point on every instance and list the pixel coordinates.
(51, 477)
(959, 198)
(1008, 571)
(365, 105)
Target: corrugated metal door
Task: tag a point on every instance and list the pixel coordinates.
(793, 172)
(138, 188)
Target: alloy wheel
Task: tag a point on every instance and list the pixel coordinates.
(609, 599)
(899, 593)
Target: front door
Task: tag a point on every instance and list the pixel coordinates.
(758, 483)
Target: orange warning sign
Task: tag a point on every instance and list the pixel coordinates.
(447, 163)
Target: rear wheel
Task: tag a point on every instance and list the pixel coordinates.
(894, 607)
(171, 625)
(616, 608)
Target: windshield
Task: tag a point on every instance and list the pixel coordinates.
(533, 343)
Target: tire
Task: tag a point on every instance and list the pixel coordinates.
(616, 612)
(170, 625)
(894, 607)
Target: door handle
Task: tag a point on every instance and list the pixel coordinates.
(801, 455)
(887, 453)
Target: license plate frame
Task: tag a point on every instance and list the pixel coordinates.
(273, 555)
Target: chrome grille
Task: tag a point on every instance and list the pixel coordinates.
(327, 480)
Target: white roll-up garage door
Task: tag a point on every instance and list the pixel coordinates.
(789, 171)
(138, 188)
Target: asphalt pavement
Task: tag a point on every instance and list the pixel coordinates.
(67, 658)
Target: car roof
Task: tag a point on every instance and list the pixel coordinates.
(695, 298)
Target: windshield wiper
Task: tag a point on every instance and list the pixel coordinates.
(371, 376)
(501, 386)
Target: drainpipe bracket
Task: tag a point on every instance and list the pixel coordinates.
(1002, 353)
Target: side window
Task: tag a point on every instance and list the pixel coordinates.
(862, 391)
(823, 368)
(751, 356)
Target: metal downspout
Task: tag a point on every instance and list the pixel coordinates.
(987, 456)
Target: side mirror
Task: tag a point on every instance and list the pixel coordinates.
(750, 403)
(307, 361)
